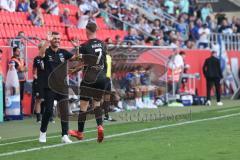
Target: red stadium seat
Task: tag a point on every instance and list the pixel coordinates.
(101, 24)
(12, 23)
(73, 9)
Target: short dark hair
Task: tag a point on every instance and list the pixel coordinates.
(55, 33)
(15, 49)
(182, 53)
(1, 51)
(92, 27)
(20, 32)
(213, 52)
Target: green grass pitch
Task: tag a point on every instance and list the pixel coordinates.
(189, 133)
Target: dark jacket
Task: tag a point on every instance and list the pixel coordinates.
(212, 68)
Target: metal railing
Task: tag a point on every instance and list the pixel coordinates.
(154, 11)
(230, 41)
(115, 22)
(123, 25)
(207, 1)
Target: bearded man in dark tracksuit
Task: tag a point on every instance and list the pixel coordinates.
(213, 74)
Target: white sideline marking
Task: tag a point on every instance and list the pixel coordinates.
(227, 110)
(35, 139)
(118, 135)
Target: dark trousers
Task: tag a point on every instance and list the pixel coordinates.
(49, 97)
(216, 83)
(21, 84)
(4, 105)
(202, 45)
(21, 89)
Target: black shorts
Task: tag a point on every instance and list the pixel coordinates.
(108, 85)
(93, 90)
(37, 89)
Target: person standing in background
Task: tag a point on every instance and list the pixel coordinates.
(3, 85)
(108, 86)
(1, 72)
(213, 74)
(38, 80)
(21, 70)
(176, 66)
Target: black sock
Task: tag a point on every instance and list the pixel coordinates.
(64, 125)
(98, 116)
(106, 105)
(38, 116)
(81, 121)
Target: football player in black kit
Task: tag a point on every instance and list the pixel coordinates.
(38, 80)
(52, 58)
(93, 53)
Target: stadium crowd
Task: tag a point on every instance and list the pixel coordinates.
(190, 26)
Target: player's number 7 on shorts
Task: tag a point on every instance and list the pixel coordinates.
(99, 51)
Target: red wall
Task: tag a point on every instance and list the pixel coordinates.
(195, 58)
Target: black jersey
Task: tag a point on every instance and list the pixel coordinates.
(94, 53)
(53, 59)
(39, 65)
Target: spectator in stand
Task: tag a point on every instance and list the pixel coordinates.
(159, 42)
(74, 2)
(182, 28)
(194, 31)
(211, 22)
(36, 17)
(174, 42)
(83, 6)
(33, 4)
(184, 6)
(204, 33)
(168, 36)
(51, 7)
(180, 39)
(93, 5)
(102, 4)
(206, 11)
(168, 25)
(109, 40)
(85, 18)
(23, 6)
(170, 5)
(143, 25)
(189, 45)
(118, 40)
(225, 28)
(8, 5)
(132, 37)
(151, 39)
(64, 18)
(236, 25)
(157, 25)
